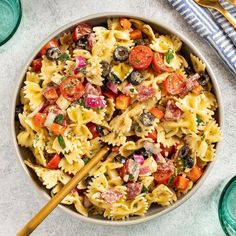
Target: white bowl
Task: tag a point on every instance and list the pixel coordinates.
(24, 153)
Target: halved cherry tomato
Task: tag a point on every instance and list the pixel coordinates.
(37, 65)
(57, 129)
(72, 88)
(54, 162)
(174, 84)
(50, 93)
(50, 44)
(39, 119)
(162, 176)
(125, 23)
(158, 63)
(195, 173)
(152, 135)
(93, 129)
(157, 113)
(166, 150)
(136, 34)
(81, 30)
(122, 171)
(140, 57)
(123, 101)
(110, 94)
(181, 182)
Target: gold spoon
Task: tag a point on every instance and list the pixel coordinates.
(52, 204)
(233, 2)
(217, 6)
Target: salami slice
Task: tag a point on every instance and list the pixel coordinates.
(133, 190)
(145, 92)
(172, 111)
(110, 196)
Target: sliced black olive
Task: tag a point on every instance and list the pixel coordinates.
(53, 53)
(114, 78)
(100, 130)
(204, 79)
(88, 180)
(82, 42)
(188, 162)
(120, 158)
(184, 151)
(145, 153)
(18, 110)
(189, 70)
(106, 68)
(121, 53)
(147, 119)
(135, 78)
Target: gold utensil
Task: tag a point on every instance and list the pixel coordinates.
(52, 204)
(233, 2)
(217, 6)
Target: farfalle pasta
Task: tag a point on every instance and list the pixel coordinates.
(131, 88)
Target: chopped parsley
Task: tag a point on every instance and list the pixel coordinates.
(199, 120)
(80, 102)
(86, 160)
(63, 78)
(170, 180)
(112, 78)
(169, 55)
(59, 119)
(64, 57)
(203, 137)
(132, 90)
(131, 176)
(144, 190)
(61, 142)
(69, 86)
(135, 205)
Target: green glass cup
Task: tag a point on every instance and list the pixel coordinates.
(227, 208)
(10, 17)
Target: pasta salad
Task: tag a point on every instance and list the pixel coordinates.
(127, 86)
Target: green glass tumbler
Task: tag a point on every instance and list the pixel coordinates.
(227, 208)
(10, 16)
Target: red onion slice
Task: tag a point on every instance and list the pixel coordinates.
(37, 109)
(94, 101)
(80, 62)
(139, 158)
(112, 86)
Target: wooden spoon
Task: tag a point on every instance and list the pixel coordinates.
(52, 204)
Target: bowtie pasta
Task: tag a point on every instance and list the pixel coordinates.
(127, 86)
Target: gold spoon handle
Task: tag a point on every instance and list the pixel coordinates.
(52, 204)
(227, 15)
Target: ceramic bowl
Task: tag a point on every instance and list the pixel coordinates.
(23, 153)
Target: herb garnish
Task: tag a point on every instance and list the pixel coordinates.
(131, 176)
(144, 190)
(64, 57)
(131, 90)
(198, 119)
(170, 180)
(169, 55)
(59, 119)
(63, 78)
(86, 160)
(61, 142)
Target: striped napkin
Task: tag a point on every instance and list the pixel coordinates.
(212, 26)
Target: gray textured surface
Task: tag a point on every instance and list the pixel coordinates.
(19, 201)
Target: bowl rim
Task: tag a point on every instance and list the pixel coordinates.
(186, 41)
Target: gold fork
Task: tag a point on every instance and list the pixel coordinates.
(217, 6)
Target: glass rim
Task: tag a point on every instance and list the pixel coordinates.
(16, 26)
(221, 200)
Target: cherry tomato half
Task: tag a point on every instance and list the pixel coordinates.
(158, 63)
(54, 162)
(174, 84)
(93, 129)
(140, 57)
(163, 173)
(166, 150)
(72, 88)
(50, 44)
(36, 65)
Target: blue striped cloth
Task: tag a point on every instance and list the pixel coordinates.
(212, 26)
